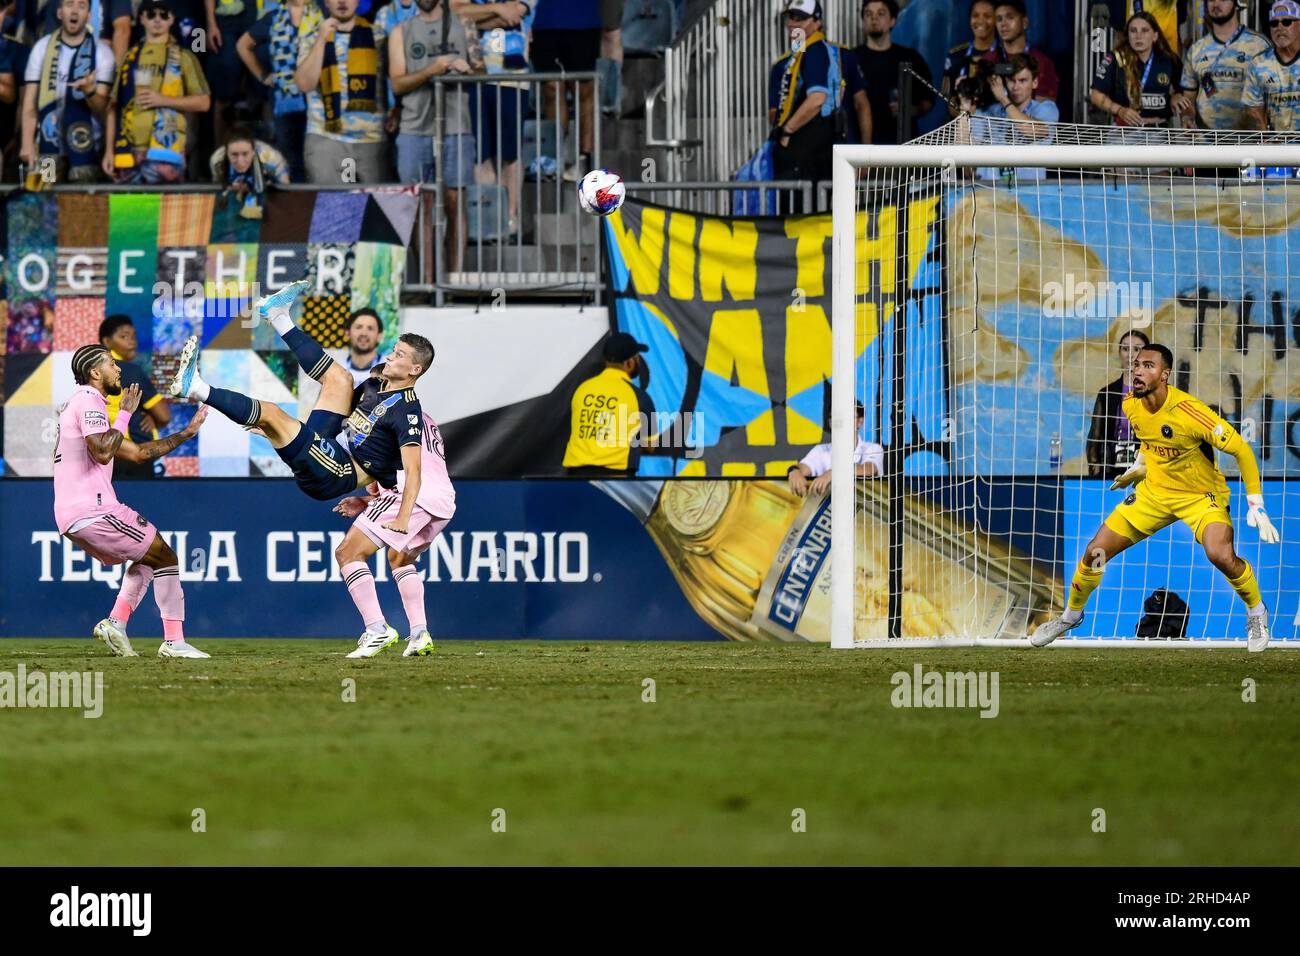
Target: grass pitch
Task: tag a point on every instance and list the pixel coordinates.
(739, 736)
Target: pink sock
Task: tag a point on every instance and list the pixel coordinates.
(134, 583)
(411, 586)
(361, 585)
(171, 601)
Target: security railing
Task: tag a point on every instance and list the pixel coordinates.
(711, 110)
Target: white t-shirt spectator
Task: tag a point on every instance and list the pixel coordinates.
(105, 68)
(819, 459)
(1005, 131)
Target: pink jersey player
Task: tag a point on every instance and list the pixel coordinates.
(88, 513)
(434, 507)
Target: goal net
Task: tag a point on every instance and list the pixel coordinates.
(992, 282)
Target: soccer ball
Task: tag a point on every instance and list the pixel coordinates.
(601, 192)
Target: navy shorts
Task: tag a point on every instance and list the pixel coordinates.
(321, 465)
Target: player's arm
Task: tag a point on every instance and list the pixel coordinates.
(105, 443)
(410, 488)
(148, 451)
(1213, 429)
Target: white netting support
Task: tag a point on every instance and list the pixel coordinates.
(998, 416)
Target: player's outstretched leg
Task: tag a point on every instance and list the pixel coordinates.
(112, 630)
(274, 308)
(1104, 545)
(187, 383)
(1217, 539)
(411, 587)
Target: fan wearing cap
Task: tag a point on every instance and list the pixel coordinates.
(868, 461)
(1272, 94)
(610, 418)
(803, 96)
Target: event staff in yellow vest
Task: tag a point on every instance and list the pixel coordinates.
(1272, 97)
(610, 417)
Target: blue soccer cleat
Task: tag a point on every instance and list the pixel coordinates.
(280, 301)
(184, 378)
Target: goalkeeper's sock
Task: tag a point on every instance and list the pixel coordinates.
(1247, 588)
(1085, 581)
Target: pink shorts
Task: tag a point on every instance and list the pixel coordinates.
(121, 535)
(420, 532)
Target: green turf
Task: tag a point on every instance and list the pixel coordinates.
(740, 735)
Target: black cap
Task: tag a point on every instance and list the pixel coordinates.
(146, 5)
(620, 347)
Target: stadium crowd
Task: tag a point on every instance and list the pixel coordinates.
(826, 91)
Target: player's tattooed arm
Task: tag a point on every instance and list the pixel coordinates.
(149, 450)
(104, 446)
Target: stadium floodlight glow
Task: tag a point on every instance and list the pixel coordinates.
(980, 281)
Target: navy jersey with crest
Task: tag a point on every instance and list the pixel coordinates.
(382, 423)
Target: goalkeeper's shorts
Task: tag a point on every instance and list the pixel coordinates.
(1144, 512)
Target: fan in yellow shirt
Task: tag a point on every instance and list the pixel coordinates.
(1176, 478)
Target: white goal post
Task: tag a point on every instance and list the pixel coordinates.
(959, 513)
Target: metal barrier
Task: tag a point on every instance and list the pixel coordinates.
(510, 225)
(714, 93)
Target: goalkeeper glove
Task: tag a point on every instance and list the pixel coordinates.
(1257, 518)
(1136, 472)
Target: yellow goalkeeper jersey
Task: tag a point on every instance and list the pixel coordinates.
(1178, 444)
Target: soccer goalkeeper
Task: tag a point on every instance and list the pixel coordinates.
(1182, 481)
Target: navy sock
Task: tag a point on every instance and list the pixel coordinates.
(307, 350)
(240, 409)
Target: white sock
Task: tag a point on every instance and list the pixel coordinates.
(199, 389)
(417, 632)
(281, 321)
(1259, 610)
(1071, 615)
(376, 627)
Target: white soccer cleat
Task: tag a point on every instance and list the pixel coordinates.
(114, 635)
(183, 380)
(371, 643)
(180, 649)
(1049, 631)
(280, 301)
(1257, 634)
(421, 646)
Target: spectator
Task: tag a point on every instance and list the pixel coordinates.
(413, 61)
(277, 30)
(227, 21)
(802, 90)
(244, 166)
(855, 106)
(566, 38)
(611, 51)
(1272, 96)
(341, 71)
(67, 79)
(387, 19)
(1112, 446)
(8, 87)
(364, 331)
(879, 60)
(1216, 67)
(606, 414)
(962, 58)
(868, 462)
(117, 334)
(1013, 34)
(39, 18)
(158, 82)
(1136, 83)
(500, 107)
(1015, 117)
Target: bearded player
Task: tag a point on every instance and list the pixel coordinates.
(433, 510)
(1176, 478)
(87, 510)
